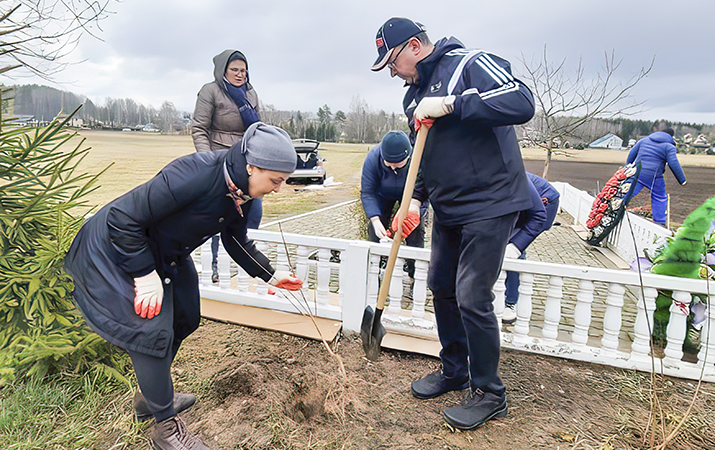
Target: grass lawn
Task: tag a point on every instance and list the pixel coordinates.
(134, 158)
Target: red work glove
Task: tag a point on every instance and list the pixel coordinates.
(411, 221)
(426, 122)
(284, 280)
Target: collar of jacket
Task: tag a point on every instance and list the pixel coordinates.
(236, 165)
(428, 64)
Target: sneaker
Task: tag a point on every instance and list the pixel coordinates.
(436, 384)
(141, 408)
(171, 434)
(477, 408)
(509, 314)
(214, 277)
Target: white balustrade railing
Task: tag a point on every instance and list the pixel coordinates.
(578, 204)
(583, 313)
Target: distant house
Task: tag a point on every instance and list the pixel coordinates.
(23, 120)
(608, 141)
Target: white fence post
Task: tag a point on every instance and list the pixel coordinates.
(644, 324)
(354, 265)
(552, 309)
(523, 306)
(677, 326)
(612, 317)
(582, 312)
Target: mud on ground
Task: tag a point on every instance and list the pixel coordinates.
(265, 390)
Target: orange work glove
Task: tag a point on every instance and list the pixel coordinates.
(411, 221)
(284, 280)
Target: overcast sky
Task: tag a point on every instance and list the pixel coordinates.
(303, 54)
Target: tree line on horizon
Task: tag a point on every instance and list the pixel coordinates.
(359, 124)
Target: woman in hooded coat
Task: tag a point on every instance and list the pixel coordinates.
(225, 108)
(135, 281)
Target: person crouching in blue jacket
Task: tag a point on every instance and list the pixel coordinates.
(135, 281)
(529, 225)
(384, 174)
(654, 152)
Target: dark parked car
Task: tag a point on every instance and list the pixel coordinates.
(310, 165)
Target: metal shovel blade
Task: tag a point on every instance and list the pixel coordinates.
(371, 332)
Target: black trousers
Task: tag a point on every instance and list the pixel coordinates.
(154, 379)
(466, 260)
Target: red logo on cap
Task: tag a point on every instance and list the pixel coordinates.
(379, 42)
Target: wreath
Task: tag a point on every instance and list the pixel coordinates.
(610, 204)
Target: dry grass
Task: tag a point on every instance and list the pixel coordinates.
(136, 157)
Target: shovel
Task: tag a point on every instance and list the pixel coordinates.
(371, 330)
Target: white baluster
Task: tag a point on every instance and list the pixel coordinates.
(644, 324)
(523, 306)
(552, 309)
(419, 289)
(612, 316)
(373, 280)
(396, 289)
(243, 280)
(282, 258)
(677, 327)
(499, 290)
(302, 269)
(582, 312)
(261, 286)
(707, 338)
(224, 267)
(206, 263)
(323, 275)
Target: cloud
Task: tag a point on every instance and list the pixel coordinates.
(306, 54)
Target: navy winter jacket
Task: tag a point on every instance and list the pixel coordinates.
(381, 186)
(156, 226)
(539, 218)
(471, 166)
(653, 152)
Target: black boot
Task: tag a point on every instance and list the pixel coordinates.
(436, 384)
(214, 273)
(477, 408)
(141, 408)
(171, 434)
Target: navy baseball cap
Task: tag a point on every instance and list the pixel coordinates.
(393, 33)
(395, 147)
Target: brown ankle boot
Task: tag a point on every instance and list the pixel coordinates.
(171, 434)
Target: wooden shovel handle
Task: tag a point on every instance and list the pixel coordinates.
(402, 213)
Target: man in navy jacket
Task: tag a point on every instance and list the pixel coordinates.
(530, 224)
(654, 152)
(473, 175)
(384, 174)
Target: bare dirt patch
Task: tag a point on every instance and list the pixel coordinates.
(265, 390)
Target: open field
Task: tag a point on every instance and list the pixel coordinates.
(136, 157)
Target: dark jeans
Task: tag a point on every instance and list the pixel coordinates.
(466, 260)
(512, 285)
(415, 239)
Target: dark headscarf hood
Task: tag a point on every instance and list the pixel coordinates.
(221, 61)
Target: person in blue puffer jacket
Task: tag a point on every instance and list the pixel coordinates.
(384, 174)
(654, 152)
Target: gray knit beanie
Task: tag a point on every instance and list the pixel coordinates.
(268, 147)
